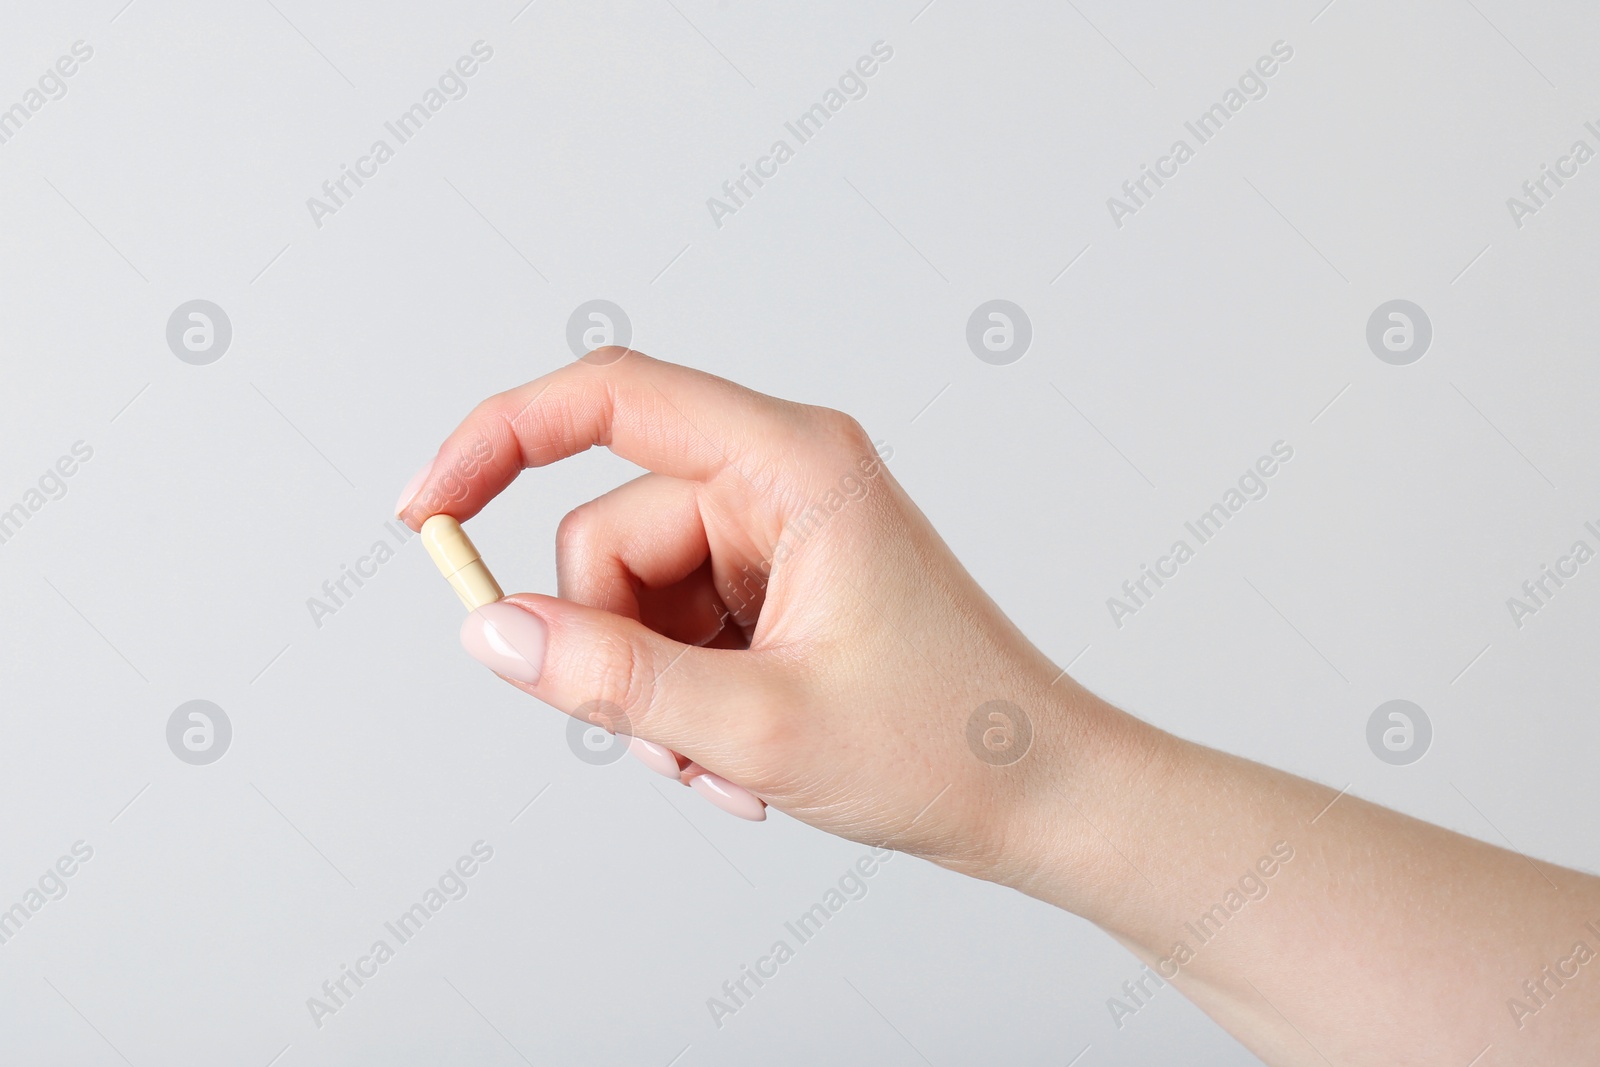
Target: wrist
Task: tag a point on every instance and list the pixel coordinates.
(1066, 838)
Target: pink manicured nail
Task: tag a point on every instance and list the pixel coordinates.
(410, 491)
(658, 759)
(733, 799)
(506, 639)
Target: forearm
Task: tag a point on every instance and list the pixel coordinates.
(1316, 927)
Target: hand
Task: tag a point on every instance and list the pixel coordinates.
(768, 602)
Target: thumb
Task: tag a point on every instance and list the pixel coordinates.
(614, 671)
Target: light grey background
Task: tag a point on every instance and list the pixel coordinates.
(369, 753)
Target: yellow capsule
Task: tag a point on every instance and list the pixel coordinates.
(459, 562)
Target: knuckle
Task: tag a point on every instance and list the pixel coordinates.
(622, 674)
(848, 430)
(607, 357)
(576, 530)
(837, 431)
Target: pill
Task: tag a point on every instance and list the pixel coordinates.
(459, 562)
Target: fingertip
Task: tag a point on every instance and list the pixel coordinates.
(507, 638)
(412, 488)
(658, 758)
(733, 799)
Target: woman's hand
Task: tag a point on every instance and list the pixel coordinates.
(769, 603)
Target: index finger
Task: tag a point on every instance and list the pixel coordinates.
(666, 418)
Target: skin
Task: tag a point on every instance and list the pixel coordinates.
(839, 689)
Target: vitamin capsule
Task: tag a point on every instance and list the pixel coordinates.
(459, 562)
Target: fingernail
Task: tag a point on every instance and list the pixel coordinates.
(658, 759)
(410, 491)
(506, 639)
(733, 799)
